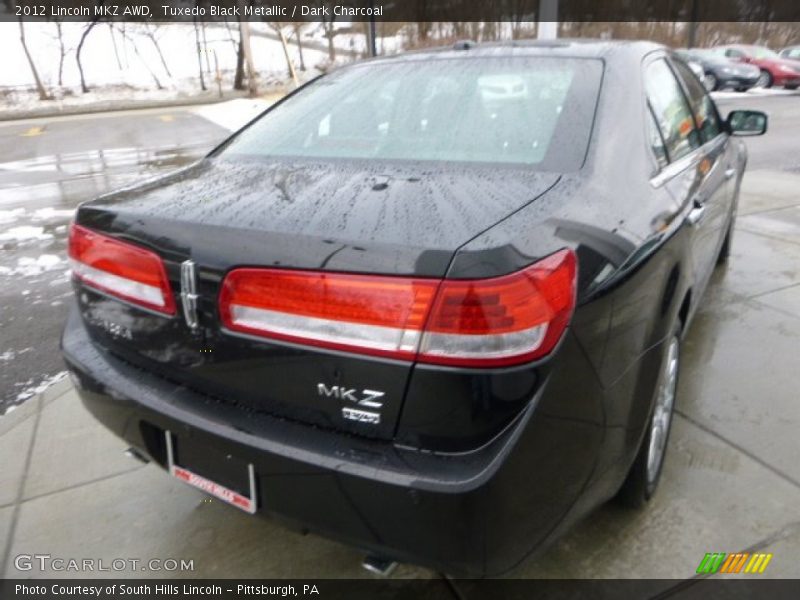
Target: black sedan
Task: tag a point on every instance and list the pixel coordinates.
(429, 305)
(721, 73)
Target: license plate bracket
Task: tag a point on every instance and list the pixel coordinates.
(248, 503)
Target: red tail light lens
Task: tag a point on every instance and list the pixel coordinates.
(502, 321)
(480, 323)
(120, 269)
(370, 314)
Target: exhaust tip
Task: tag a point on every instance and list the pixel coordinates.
(378, 565)
(136, 455)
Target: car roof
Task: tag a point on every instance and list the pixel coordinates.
(572, 48)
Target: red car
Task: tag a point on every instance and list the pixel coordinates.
(775, 70)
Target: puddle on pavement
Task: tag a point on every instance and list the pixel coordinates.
(38, 197)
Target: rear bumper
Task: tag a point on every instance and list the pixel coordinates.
(475, 513)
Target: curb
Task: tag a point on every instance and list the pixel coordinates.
(110, 106)
(32, 405)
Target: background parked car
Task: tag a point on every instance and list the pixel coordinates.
(775, 70)
(697, 69)
(791, 52)
(720, 72)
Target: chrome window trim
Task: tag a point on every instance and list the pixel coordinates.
(686, 162)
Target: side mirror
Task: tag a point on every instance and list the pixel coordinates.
(746, 122)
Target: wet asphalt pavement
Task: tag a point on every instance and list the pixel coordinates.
(48, 167)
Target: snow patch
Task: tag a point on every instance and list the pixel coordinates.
(30, 267)
(24, 233)
(233, 114)
(9, 216)
(44, 214)
(29, 392)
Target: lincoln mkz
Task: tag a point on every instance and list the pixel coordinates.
(428, 305)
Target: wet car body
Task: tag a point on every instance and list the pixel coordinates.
(776, 70)
(469, 469)
(721, 73)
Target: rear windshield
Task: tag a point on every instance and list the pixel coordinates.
(522, 110)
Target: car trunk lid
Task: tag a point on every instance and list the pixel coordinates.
(204, 221)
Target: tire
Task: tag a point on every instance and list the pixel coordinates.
(642, 480)
(790, 87)
(764, 80)
(710, 82)
(742, 89)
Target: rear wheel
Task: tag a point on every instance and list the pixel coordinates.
(643, 478)
(790, 87)
(764, 80)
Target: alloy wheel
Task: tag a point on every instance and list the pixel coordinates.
(662, 412)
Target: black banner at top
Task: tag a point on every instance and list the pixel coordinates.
(403, 10)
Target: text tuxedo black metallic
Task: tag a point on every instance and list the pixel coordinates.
(428, 305)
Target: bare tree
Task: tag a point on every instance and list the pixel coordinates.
(43, 95)
(114, 44)
(330, 32)
(205, 46)
(86, 31)
(244, 41)
(145, 62)
(277, 27)
(62, 52)
(238, 78)
(150, 32)
(298, 30)
(199, 55)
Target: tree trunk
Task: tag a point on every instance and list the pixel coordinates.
(145, 63)
(61, 54)
(289, 63)
(84, 87)
(329, 33)
(199, 55)
(244, 29)
(299, 47)
(153, 39)
(39, 87)
(205, 46)
(114, 44)
(238, 80)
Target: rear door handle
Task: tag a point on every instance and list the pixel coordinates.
(696, 214)
(729, 173)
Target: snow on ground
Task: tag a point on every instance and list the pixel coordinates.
(28, 266)
(37, 388)
(24, 233)
(233, 114)
(755, 92)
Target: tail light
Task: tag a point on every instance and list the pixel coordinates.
(120, 269)
(479, 323)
